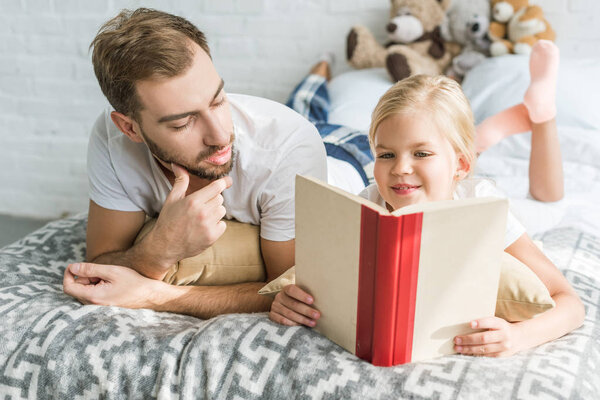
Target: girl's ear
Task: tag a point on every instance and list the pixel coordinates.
(463, 168)
(126, 125)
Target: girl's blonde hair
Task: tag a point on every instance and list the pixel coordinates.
(442, 99)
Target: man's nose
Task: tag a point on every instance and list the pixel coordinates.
(215, 134)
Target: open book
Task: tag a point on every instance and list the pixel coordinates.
(397, 287)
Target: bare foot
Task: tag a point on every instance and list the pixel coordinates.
(322, 69)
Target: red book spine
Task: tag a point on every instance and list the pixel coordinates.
(366, 283)
(407, 287)
(386, 289)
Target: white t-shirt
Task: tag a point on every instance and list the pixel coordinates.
(471, 187)
(273, 143)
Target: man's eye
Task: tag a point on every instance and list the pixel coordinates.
(386, 155)
(219, 103)
(182, 127)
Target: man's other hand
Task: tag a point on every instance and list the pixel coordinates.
(110, 285)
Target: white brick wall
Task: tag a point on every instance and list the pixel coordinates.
(49, 96)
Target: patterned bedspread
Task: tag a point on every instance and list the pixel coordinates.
(53, 347)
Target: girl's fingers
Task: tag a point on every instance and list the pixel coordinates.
(298, 294)
(280, 319)
(297, 306)
(488, 350)
(291, 315)
(487, 337)
(488, 323)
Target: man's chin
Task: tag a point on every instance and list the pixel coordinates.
(212, 172)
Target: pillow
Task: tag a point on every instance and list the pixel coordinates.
(354, 95)
(521, 294)
(234, 258)
(277, 284)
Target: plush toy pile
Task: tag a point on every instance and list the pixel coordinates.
(416, 45)
(516, 26)
(448, 36)
(467, 23)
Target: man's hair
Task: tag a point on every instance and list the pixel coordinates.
(137, 45)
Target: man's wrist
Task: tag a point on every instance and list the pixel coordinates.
(150, 249)
(163, 297)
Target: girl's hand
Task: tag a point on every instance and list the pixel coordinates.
(500, 339)
(291, 307)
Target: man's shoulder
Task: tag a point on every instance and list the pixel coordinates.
(270, 123)
(103, 128)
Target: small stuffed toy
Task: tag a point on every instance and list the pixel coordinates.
(416, 45)
(516, 26)
(467, 23)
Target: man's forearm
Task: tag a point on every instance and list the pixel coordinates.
(209, 301)
(137, 258)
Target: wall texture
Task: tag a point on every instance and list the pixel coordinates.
(49, 96)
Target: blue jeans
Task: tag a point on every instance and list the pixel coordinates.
(311, 99)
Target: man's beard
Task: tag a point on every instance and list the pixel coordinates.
(212, 172)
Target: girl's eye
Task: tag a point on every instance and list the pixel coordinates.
(421, 154)
(386, 155)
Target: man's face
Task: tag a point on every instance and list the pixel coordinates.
(186, 119)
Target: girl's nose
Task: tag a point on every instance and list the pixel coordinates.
(402, 166)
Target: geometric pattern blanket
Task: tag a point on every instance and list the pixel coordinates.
(51, 346)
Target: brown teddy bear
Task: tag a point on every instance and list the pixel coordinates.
(416, 45)
(516, 26)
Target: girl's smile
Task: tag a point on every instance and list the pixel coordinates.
(414, 161)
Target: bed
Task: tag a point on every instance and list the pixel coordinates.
(53, 347)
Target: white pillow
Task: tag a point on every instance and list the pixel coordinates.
(354, 95)
(500, 82)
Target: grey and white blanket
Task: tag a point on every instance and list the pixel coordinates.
(51, 346)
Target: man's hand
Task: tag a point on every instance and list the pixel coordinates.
(187, 225)
(500, 338)
(113, 285)
(110, 285)
(291, 307)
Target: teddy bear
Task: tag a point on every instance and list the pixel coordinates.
(467, 23)
(416, 45)
(516, 26)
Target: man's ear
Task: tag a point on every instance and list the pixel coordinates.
(127, 125)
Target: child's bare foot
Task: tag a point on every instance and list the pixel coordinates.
(540, 98)
(323, 66)
(322, 69)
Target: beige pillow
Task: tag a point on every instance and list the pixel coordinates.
(521, 294)
(234, 258)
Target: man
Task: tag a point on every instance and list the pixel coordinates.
(171, 145)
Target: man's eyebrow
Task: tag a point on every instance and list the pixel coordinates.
(218, 90)
(175, 117)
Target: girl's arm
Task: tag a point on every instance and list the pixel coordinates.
(502, 338)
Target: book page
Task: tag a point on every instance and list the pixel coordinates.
(458, 275)
(328, 255)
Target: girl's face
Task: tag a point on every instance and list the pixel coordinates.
(414, 162)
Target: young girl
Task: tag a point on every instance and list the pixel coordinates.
(422, 137)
